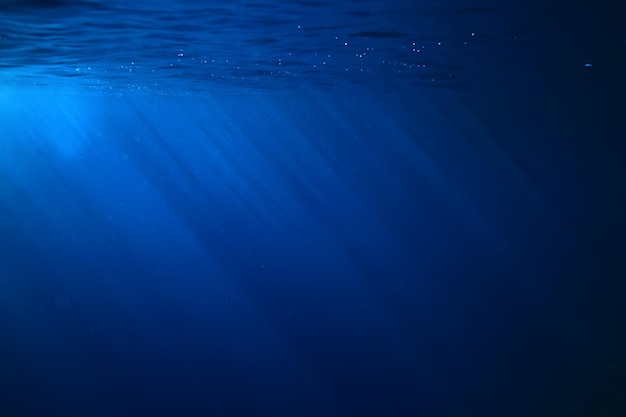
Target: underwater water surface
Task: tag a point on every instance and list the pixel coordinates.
(311, 208)
(186, 46)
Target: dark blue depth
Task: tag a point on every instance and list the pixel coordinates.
(373, 238)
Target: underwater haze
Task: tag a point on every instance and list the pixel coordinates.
(309, 208)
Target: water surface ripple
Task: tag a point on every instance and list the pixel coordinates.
(197, 45)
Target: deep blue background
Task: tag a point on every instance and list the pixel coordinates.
(343, 250)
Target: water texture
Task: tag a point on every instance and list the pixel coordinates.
(199, 45)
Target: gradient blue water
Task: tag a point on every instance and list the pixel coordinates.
(199, 217)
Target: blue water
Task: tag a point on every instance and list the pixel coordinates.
(192, 45)
(311, 208)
